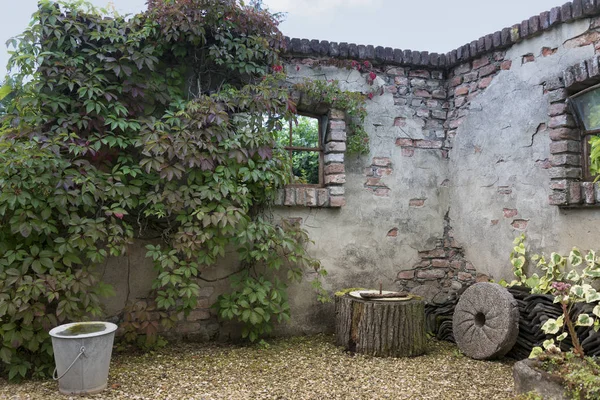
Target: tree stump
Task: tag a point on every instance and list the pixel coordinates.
(383, 328)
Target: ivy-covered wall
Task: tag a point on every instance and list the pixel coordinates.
(459, 162)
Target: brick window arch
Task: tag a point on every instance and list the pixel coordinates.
(331, 192)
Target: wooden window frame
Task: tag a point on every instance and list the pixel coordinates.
(586, 175)
(321, 119)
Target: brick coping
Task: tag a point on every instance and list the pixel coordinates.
(568, 12)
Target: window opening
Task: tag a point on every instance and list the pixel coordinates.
(585, 105)
(303, 142)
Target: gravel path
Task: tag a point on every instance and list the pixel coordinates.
(293, 368)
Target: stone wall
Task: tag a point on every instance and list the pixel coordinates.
(468, 149)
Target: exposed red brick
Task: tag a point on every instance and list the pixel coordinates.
(506, 65)
(471, 76)
(429, 144)
(485, 82)
(374, 182)
(421, 73)
(561, 121)
(416, 202)
(465, 276)
(520, 224)
(583, 40)
(431, 274)
(482, 278)
(455, 123)
(422, 93)
(547, 51)
(487, 70)
(481, 62)
(440, 263)
(559, 185)
(510, 212)
(459, 101)
(408, 151)
(564, 134)
(335, 168)
(404, 142)
(393, 232)
(462, 69)
(527, 58)
(410, 274)
(435, 253)
(383, 171)
(335, 147)
(461, 90)
(337, 201)
(557, 109)
(544, 164)
(382, 161)
(335, 124)
(399, 121)
(382, 192)
(457, 80)
(335, 179)
(401, 80)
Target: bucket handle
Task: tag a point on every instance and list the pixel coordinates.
(81, 352)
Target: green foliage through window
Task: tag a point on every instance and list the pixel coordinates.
(305, 134)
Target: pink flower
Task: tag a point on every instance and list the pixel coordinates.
(354, 64)
(372, 76)
(370, 96)
(367, 64)
(277, 68)
(118, 215)
(297, 68)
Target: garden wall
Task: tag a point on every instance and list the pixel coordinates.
(467, 150)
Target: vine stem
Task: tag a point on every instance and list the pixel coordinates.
(576, 345)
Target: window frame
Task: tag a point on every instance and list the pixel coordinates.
(586, 175)
(332, 193)
(322, 124)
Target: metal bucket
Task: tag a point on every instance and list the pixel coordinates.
(82, 352)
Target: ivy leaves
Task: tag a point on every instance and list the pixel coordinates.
(155, 123)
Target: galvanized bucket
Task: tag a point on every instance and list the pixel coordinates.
(82, 352)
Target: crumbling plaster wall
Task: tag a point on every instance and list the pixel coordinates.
(459, 165)
(396, 196)
(500, 158)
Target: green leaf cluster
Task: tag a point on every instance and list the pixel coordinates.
(352, 103)
(568, 278)
(152, 126)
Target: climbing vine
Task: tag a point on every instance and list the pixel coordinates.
(158, 126)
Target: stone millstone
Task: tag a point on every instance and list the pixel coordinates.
(486, 321)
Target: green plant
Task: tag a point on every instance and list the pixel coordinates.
(568, 288)
(580, 376)
(352, 103)
(152, 126)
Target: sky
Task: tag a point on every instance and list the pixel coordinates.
(433, 25)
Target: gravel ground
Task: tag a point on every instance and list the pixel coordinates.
(293, 368)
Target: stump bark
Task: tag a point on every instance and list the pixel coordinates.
(380, 328)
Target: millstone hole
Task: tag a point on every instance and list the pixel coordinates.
(480, 319)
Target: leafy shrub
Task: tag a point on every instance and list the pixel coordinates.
(568, 288)
(153, 124)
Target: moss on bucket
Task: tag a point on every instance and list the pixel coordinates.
(82, 329)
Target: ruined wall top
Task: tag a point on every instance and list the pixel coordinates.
(571, 11)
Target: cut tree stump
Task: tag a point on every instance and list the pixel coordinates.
(383, 328)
